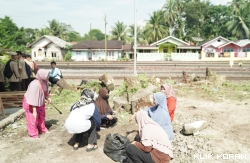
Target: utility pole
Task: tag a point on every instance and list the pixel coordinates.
(135, 35)
(105, 21)
(90, 38)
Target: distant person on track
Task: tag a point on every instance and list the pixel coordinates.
(106, 113)
(34, 104)
(84, 118)
(154, 145)
(168, 90)
(55, 73)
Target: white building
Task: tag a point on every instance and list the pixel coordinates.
(48, 48)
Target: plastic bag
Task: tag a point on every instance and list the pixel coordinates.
(114, 147)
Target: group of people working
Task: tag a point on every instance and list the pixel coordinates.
(92, 112)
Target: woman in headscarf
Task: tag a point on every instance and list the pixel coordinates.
(168, 90)
(154, 145)
(34, 104)
(159, 113)
(107, 114)
(84, 118)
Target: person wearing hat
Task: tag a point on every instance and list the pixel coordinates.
(22, 70)
(15, 79)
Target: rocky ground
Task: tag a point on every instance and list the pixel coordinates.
(227, 133)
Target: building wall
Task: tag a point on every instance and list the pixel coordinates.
(96, 55)
(150, 57)
(56, 50)
(171, 48)
(185, 56)
(232, 57)
(79, 55)
(40, 53)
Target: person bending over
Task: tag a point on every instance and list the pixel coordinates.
(154, 145)
(34, 104)
(84, 118)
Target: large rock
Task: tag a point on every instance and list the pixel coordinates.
(140, 99)
(107, 81)
(120, 102)
(194, 127)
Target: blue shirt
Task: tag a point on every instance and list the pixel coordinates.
(55, 73)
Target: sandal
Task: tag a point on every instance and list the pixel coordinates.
(92, 149)
(75, 147)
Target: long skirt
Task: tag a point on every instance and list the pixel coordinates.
(35, 126)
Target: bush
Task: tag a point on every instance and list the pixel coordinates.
(123, 59)
(68, 56)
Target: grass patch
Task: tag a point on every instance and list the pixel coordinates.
(225, 91)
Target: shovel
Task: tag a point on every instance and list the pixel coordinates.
(54, 107)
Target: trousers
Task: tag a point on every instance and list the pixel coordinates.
(92, 137)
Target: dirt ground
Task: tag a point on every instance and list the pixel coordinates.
(228, 133)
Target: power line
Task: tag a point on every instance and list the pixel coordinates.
(44, 18)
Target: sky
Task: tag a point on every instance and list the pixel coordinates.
(80, 13)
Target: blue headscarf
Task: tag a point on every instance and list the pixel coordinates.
(159, 113)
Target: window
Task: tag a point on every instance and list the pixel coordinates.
(228, 50)
(219, 40)
(246, 49)
(34, 54)
(39, 52)
(78, 53)
(45, 54)
(53, 54)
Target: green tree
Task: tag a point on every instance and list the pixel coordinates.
(11, 36)
(240, 24)
(119, 32)
(195, 17)
(171, 13)
(155, 28)
(95, 34)
(140, 37)
(74, 36)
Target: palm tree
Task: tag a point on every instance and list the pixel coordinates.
(119, 32)
(155, 28)
(239, 25)
(140, 37)
(171, 13)
(236, 5)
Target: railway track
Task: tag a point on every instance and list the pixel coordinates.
(163, 69)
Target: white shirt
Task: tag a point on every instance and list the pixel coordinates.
(78, 120)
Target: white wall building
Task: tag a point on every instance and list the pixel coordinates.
(48, 48)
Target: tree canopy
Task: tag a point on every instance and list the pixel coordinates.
(183, 19)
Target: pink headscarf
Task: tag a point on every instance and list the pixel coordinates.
(152, 134)
(169, 91)
(35, 95)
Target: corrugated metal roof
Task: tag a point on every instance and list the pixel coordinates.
(243, 42)
(59, 42)
(113, 44)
